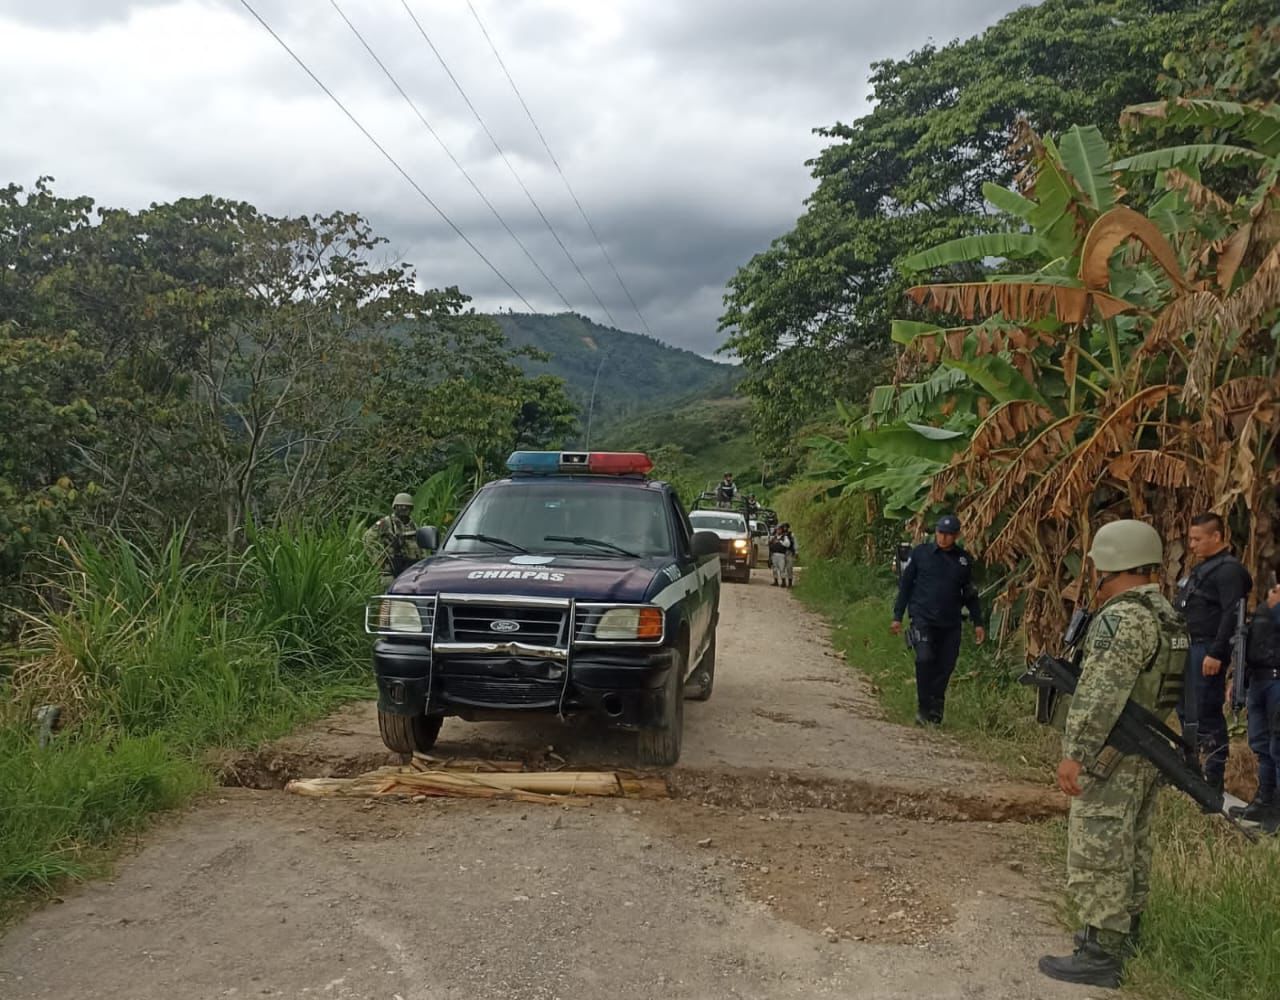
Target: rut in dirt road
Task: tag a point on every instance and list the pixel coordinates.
(812, 849)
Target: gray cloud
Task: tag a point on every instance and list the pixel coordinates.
(683, 126)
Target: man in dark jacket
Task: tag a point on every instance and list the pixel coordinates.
(1208, 599)
(1264, 710)
(936, 582)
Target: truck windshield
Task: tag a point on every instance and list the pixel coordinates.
(703, 521)
(524, 513)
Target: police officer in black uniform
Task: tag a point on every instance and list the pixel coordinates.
(1264, 710)
(1208, 599)
(936, 582)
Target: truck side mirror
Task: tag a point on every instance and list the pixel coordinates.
(705, 543)
(428, 538)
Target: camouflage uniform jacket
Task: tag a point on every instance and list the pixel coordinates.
(1135, 648)
(393, 544)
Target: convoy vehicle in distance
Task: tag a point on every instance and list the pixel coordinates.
(575, 586)
(760, 541)
(737, 548)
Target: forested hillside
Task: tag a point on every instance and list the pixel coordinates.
(636, 373)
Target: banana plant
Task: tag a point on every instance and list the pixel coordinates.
(1129, 366)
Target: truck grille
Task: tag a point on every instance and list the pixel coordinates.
(502, 693)
(535, 626)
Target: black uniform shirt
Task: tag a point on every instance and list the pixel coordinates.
(935, 584)
(1215, 586)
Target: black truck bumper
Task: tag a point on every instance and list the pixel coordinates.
(622, 686)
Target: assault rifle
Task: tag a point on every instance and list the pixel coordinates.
(1239, 649)
(1139, 731)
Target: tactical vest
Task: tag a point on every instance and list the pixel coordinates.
(1263, 650)
(1159, 686)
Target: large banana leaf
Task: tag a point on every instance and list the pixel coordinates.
(901, 482)
(1087, 158)
(1008, 201)
(1055, 215)
(998, 378)
(904, 331)
(1010, 246)
(1205, 154)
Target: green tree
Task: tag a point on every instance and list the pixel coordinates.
(810, 316)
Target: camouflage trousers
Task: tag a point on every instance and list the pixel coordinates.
(1109, 848)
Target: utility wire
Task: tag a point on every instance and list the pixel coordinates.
(527, 193)
(381, 149)
(494, 49)
(449, 153)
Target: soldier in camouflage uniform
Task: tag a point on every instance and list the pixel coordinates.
(1135, 649)
(392, 542)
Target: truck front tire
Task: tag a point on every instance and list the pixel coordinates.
(409, 734)
(658, 745)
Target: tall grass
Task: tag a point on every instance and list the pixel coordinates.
(154, 659)
(1212, 927)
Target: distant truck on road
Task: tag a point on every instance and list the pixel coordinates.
(574, 587)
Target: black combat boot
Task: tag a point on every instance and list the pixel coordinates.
(1262, 805)
(1090, 964)
(1132, 941)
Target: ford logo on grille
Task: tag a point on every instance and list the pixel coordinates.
(504, 625)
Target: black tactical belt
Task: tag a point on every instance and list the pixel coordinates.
(1264, 674)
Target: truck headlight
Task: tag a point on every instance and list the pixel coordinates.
(740, 543)
(630, 623)
(402, 616)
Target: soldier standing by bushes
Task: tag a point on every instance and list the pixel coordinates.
(1264, 710)
(782, 556)
(936, 582)
(1135, 649)
(1208, 599)
(392, 542)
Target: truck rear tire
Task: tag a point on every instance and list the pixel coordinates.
(409, 733)
(658, 745)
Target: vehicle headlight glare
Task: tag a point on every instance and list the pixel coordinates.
(740, 543)
(403, 616)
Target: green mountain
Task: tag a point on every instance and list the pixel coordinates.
(633, 374)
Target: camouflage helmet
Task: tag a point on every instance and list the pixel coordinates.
(1123, 545)
(402, 500)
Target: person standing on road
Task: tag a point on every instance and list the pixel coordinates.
(392, 541)
(936, 582)
(782, 556)
(1134, 650)
(1264, 710)
(1208, 600)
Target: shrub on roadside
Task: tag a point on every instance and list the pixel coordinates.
(154, 659)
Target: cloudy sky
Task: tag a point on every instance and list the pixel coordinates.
(683, 125)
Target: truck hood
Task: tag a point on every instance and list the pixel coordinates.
(587, 578)
(723, 533)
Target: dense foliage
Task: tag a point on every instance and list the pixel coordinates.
(809, 317)
(1129, 369)
(202, 363)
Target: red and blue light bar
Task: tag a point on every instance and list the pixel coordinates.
(598, 463)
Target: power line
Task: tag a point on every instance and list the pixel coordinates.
(568, 187)
(449, 153)
(527, 193)
(381, 149)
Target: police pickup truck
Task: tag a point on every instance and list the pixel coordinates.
(574, 586)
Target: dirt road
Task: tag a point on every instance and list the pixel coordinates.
(812, 849)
